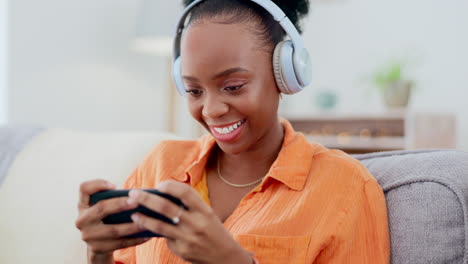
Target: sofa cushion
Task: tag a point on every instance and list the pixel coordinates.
(12, 141)
(427, 196)
(38, 199)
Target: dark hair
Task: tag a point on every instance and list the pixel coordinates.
(238, 11)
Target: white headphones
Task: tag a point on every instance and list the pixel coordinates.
(291, 61)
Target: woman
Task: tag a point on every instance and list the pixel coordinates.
(257, 191)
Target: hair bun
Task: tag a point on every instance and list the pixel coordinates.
(295, 10)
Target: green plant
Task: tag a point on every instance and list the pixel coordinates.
(388, 75)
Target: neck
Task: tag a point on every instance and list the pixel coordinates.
(255, 162)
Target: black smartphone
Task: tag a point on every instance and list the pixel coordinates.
(125, 216)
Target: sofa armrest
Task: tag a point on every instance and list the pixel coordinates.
(427, 197)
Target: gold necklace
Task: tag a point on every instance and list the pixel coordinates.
(233, 184)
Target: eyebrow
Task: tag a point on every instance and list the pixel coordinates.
(219, 75)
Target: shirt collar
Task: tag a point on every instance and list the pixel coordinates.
(291, 167)
(294, 160)
(196, 165)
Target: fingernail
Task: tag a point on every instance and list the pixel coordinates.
(161, 185)
(131, 201)
(134, 218)
(133, 195)
(111, 186)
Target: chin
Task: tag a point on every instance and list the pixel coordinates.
(230, 148)
(243, 144)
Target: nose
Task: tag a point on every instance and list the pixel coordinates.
(214, 107)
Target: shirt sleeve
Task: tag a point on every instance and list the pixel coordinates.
(362, 236)
(128, 255)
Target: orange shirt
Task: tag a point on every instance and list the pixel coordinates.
(315, 206)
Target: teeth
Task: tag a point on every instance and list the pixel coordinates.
(229, 129)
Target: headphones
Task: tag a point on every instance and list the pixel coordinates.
(291, 61)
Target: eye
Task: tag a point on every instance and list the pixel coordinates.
(233, 88)
(194, 92)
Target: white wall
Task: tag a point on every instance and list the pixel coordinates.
(71, 66)
(3, 60)
(70, 62)
(349, 38)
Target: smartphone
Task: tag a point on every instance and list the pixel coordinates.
(125, 216)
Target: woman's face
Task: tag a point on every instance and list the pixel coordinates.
(230, 83)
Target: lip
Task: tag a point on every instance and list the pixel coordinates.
(228, 137)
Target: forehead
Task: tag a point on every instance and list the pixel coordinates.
(217, 45)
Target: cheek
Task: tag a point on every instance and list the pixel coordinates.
(195, 109)
(255, 107)
(264, 99)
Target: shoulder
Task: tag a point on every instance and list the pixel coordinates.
(339, 161)
(176, 151)
(344, 182)
(177, 147)
(335, 172)
(168, 158)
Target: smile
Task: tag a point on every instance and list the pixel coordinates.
(228, 133)
(228, 129)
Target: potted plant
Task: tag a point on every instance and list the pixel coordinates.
(394, 86)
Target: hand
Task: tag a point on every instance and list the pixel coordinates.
(199, 236)
(103, 239)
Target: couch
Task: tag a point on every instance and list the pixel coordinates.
(41, 169)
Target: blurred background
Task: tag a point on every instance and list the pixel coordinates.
(387, 74)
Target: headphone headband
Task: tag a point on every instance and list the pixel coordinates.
(268, 5)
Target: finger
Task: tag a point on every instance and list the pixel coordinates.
(89, 187)
(188, 196)
(157, 226)
(107, 232)
(155, 203)
(112, 245)
(102, 209)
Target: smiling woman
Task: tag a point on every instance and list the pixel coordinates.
(256, 190)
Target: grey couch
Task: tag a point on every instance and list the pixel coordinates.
(427, 197)
(426, 192)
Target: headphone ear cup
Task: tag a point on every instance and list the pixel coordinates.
(283, 65)
(282, 86)
(177, 76)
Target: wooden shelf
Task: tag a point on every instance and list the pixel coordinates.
(353, 144)
(363, 133)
